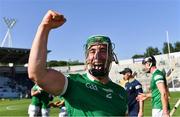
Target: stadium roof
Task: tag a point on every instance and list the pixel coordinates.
(14, 55)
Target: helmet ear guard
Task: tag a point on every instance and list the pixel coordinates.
(114, 56)
(115, 59)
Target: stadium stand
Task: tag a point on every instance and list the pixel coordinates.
(16, 84)
(13, 73)
(169, 63)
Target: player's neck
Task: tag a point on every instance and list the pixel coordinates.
(131, 79)
(153, 68)
(103, 80)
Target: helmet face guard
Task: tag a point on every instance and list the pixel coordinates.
(99, 40)
(151, 60)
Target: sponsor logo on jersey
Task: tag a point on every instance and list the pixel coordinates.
(138, 87)
(128, 88)
(108, 90)
(109, 95)
(91, 86)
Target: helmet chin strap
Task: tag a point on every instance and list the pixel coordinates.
(149, 68)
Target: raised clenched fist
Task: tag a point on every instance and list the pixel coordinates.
(52, 20)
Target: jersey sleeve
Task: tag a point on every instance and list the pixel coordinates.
(158, 78)
(35, 88)
(138, 88)
(65, 86)
(70, 82)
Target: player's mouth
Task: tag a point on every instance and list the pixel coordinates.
(98, 66)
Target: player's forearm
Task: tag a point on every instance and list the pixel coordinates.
(38, 55)
(164, 99)
(141, 106)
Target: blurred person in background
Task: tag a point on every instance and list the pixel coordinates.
(133, 88)
(159, 89)
(61, 105)
(40, 102)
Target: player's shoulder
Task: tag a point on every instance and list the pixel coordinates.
(35, 87)
(120, 90)
(158, 75)
(137, 82)
(75, 76)
(158, 72)
(117, 86)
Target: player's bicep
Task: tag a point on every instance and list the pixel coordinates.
(139, 88)
(160, 83)
(53, 82)
(161, 87)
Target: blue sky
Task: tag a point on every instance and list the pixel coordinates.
(133, 25)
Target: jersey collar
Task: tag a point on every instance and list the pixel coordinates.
(154, 71)
(90, 77)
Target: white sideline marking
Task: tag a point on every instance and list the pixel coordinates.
(11, 107)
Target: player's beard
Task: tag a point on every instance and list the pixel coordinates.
(98, 67)
(98, 70)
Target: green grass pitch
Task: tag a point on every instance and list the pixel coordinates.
(20, 107)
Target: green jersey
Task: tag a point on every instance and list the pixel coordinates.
(157, 77)
(41, 99)
(85, 97)
(36, 99)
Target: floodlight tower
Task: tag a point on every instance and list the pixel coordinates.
(10, 24)
(169, 52)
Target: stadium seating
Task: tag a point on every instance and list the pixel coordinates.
(170, 64)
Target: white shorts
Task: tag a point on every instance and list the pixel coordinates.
(63, 112)
(45, 112)
(33, 110)
(157, 113)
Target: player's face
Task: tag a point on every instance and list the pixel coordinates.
(97, 57)
(127, 76)
(147, 67)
